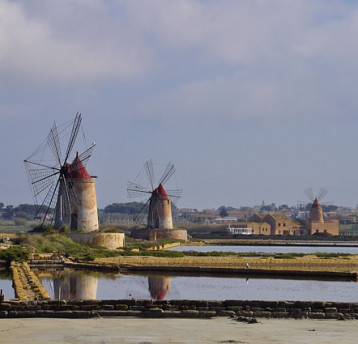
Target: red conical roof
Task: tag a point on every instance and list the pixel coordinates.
(77, 169)
(315, 203)
(160, 191)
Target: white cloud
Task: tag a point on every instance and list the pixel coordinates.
(31, 48)
(260, 58)
(232, 59)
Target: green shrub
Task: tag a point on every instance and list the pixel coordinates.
(14, 253)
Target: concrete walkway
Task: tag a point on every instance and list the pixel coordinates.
(146, 331)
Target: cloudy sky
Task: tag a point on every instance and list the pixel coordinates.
(253, 100)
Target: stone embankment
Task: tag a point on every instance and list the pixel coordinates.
(306, 263)
(26, 284)
(305, 266)
(179, 309)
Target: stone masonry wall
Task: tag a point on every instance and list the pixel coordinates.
(179, 308)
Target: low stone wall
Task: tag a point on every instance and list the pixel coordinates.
(160, 234)
(179, 309)
(110, 240)
(26, 284)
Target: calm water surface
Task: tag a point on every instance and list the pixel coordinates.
(6, 284)
(82, 285)
(268, 249)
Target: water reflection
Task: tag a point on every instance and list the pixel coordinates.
(70, 285)
(75, 285)
(158, 286)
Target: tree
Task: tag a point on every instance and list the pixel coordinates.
(1, 205)
(223, 211)
(29, 209)
(124, 208)
(8, 213)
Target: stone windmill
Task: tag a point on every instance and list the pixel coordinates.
(63, 191)
(316, 211)
(157, 201)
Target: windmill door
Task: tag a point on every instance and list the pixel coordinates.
(73, 222)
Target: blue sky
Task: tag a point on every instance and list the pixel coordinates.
(252, 100)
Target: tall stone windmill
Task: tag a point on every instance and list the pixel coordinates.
(64, 192)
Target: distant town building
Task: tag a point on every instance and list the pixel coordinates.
(226, 219)
(280, 223)
(250, 228)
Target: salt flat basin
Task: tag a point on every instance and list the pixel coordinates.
(268, 249)
(93, 285)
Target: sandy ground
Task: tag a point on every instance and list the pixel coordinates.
(146, 331)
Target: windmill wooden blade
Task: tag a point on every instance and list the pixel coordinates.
(309, 194)
(139, 217)
(70, 195)
(54, 143)
(40, 179)
(74, 132)
(136, 190)
(174, 195)
(168, 172)
(46, 208)
(321, 193)
(148, 167)
(84, 157)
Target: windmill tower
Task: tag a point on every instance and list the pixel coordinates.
(317, 225)
(63, 192)
(157, 202)
(84, 215)
(160, 209)
(316, 211)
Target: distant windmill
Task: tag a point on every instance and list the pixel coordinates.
(64, 192)
(316, 212)
(157, 199)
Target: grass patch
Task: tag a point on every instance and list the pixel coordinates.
(288, 255)
(48, 243)
(325, 255)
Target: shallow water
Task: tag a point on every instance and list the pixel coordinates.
(268, 249)
(6, 284)
(84, 285)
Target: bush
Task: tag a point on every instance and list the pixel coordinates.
(19, 221)
(14, 253)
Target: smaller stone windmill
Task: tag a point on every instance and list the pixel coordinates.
(316, 211)
(157, 202)
(317, 224)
